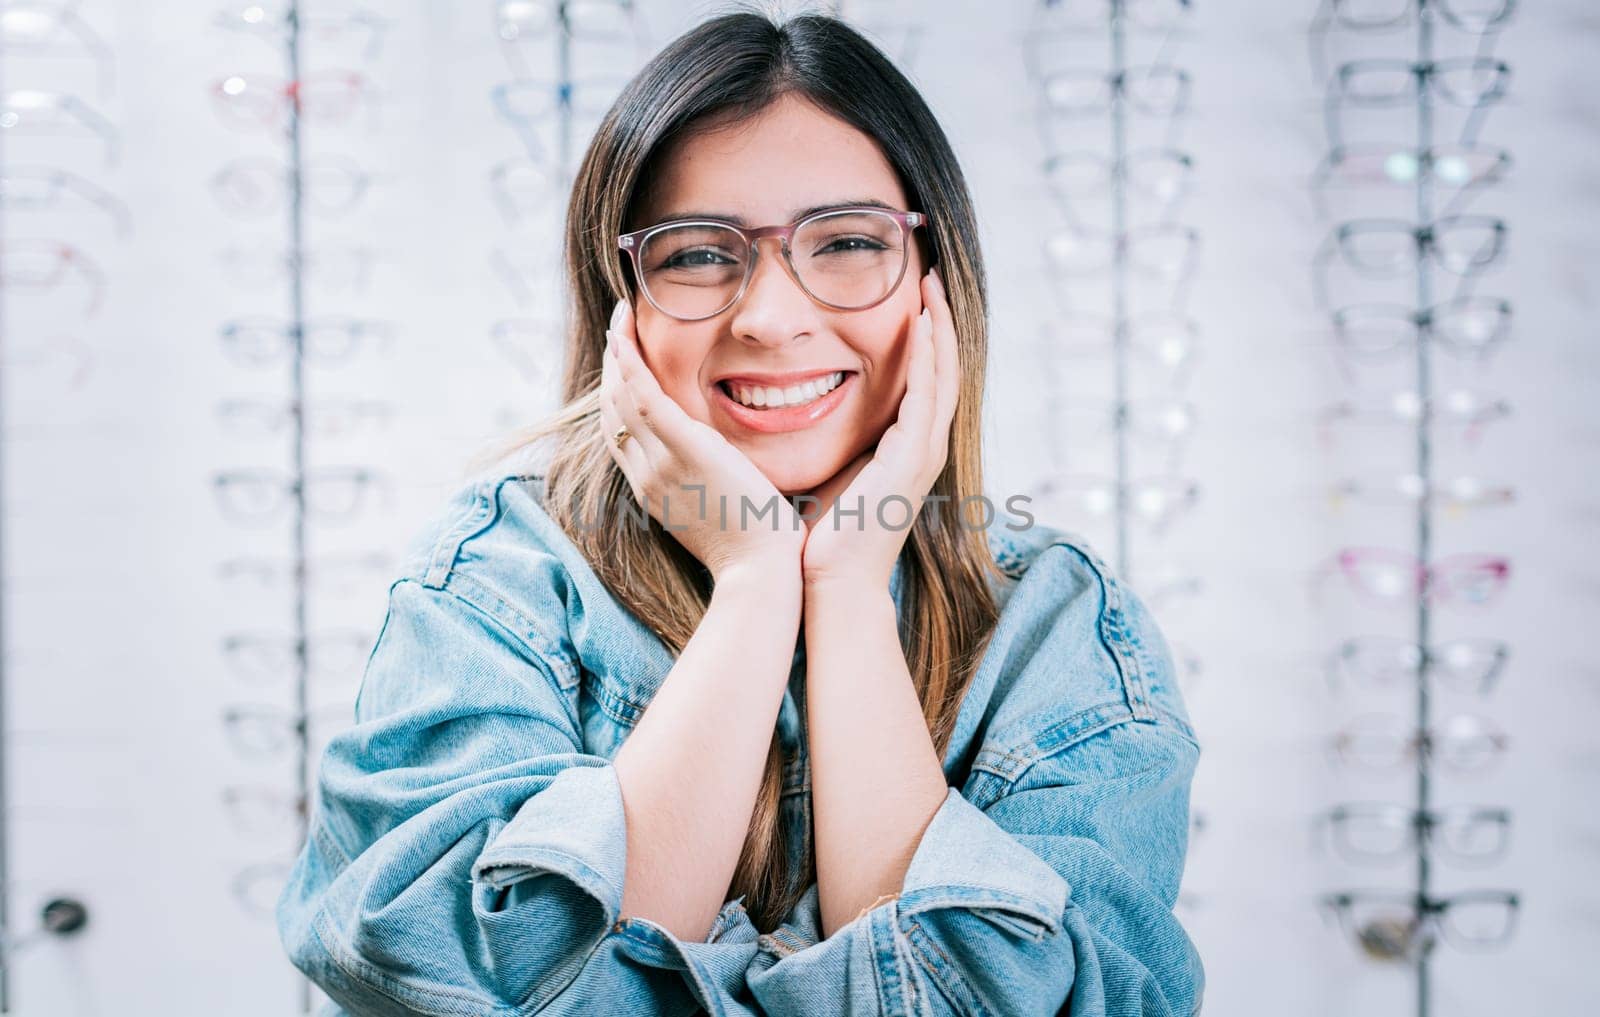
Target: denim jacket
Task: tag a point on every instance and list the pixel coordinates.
(466, 847)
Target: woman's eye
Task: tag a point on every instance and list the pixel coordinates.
(696, 258)
(844, 245)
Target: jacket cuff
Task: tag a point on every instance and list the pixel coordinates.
(575, 827)
(966, 859)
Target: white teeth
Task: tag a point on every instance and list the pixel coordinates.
(794, 395)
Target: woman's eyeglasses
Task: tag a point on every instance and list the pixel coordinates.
(849, 258)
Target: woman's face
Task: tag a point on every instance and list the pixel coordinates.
(760, 172)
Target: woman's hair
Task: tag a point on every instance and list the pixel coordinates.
(726, 69)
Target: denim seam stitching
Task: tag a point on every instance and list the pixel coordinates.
(1113, 630)
(1056, 738)
(781, 947)
(725, 918)
(388, 613)
(943, 970)
(992, 898)
(791, 938)
(447, 548)
(690, 970)
(886, 960)
(619, 708)
(527, 630)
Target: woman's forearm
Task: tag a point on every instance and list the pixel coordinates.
(876, 779)
(692, 767)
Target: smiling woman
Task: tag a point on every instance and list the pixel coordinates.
(868, 754)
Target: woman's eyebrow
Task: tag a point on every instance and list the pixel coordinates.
(799, 213)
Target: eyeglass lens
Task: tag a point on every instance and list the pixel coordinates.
(846, 259)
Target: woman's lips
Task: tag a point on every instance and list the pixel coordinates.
(787, 418)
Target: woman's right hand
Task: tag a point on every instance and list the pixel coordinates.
(670, 453)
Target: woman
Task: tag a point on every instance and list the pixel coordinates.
(621, 750)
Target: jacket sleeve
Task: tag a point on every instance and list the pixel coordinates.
(465, 856)
(1046, 885)
(1042, 903)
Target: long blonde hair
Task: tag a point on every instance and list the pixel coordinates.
(726, 68)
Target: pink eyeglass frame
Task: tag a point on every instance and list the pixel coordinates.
(1425, 577)
(634, 242)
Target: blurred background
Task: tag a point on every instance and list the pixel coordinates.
(1292, 314)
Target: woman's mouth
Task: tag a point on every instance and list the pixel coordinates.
(770, 409)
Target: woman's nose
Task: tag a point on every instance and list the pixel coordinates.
(772, 282)
(774, 307)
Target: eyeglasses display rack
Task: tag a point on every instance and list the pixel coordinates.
(1438, 257)
(568, 62)
(1120, 268)
(302, 658)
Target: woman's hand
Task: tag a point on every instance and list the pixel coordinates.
(670, 454)
(908, 459)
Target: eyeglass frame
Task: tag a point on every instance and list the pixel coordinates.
(1426, 915)
(634, 241)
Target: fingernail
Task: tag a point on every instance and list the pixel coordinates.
(616, 313)
(936, 280)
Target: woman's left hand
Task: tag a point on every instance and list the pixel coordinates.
(908, 459)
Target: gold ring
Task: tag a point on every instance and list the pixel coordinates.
(622, 435)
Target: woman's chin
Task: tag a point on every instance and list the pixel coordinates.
(792, 478)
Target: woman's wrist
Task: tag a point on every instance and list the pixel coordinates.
(767, 576)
